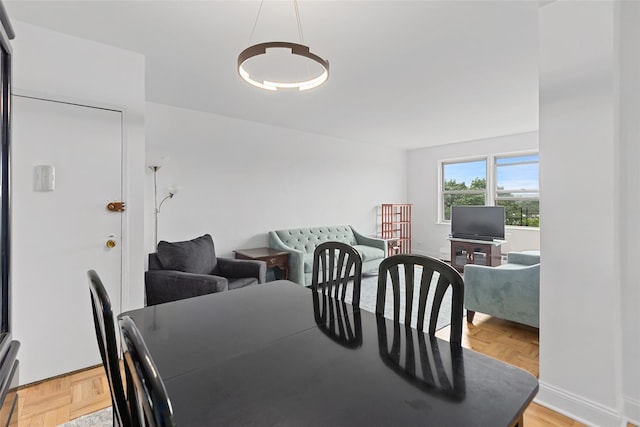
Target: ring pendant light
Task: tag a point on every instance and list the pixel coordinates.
(296, 49)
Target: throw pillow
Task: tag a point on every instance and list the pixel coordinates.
(197, 256)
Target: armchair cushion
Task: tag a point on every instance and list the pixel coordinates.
(169, 285)
(197, 256)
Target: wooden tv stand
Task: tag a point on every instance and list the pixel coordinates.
(479, 252)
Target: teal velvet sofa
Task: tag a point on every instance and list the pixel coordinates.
(510, 291)
(301, 242)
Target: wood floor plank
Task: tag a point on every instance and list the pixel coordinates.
(89, 393)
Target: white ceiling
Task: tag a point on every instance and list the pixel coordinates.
(404, 74)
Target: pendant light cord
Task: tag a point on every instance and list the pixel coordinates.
(297, 10)
(295, 5)
(256, 21)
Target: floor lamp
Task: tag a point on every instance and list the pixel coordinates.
(156, 211)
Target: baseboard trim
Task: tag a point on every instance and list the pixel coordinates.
(55, 377)
(577, 407)
(632, 410)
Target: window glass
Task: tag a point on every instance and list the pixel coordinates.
(517, 174)
(464, 183)
(517, 189)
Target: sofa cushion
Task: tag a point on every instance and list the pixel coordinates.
(368, 253)
(197, 256)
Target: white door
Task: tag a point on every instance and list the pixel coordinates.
(58, 235)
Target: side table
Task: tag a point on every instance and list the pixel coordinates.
(273, 257)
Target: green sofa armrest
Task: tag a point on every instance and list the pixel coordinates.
(370, 241)
(296, 258)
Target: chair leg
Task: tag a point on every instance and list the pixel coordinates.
(470, 314)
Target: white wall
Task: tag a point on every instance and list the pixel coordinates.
(580, 295)
(630, 199)
(51, 64)
(429, 236)
(241, 179)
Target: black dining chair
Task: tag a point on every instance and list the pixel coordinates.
(447, 277)
(105, 332)
(149, 396)
(334, 265)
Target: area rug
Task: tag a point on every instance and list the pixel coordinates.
(101, 418)
(369, 292)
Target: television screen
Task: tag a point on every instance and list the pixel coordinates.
(477, 222)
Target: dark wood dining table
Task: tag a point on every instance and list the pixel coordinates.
(279, 354)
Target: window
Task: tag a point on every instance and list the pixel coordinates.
(463, 183)
(517, 189)
(513, 184)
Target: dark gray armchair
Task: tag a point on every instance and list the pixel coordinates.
(188, 269)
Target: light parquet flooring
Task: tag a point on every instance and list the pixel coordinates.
(59, 400)
(517, 345)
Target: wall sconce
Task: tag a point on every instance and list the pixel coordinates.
(173, 190)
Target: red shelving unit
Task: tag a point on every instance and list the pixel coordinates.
(396, 227)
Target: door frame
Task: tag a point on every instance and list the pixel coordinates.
(124, 173)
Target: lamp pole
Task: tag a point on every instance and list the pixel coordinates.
(155, 204)
(156, 211)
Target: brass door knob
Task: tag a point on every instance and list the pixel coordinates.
(111, 243)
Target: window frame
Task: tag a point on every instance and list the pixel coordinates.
(441, 181)
(491, 191)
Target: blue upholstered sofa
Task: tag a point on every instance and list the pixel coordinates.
(301, 242)
(510, 291)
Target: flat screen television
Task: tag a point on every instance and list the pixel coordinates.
(477, 222)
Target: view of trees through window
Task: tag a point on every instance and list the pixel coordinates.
(515, 187)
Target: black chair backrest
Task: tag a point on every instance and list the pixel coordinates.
(448, 277)
(334, 263)
(334, 320)
(149, 393)
(105, 332)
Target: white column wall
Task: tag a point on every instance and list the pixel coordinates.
(240, 179)
(630, 199)
(580, 357)
(429, 236)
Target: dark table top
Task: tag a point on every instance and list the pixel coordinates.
(274, 354)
